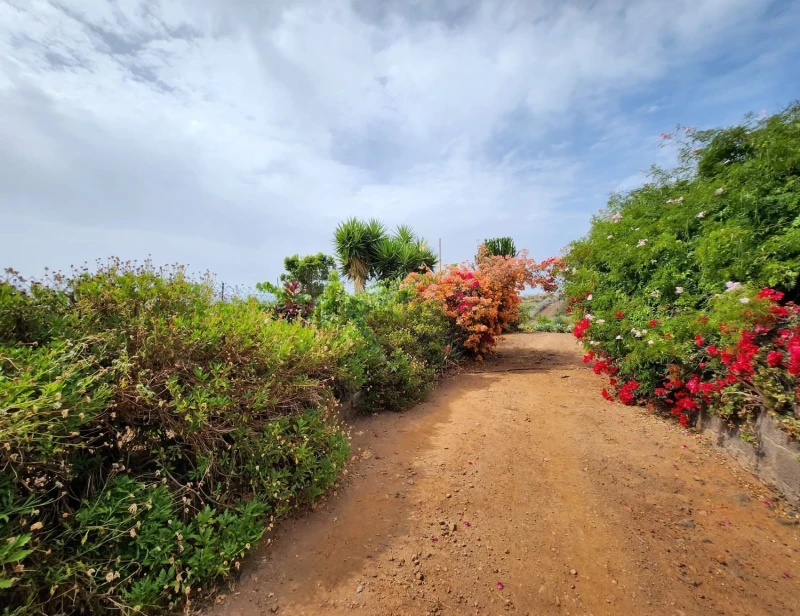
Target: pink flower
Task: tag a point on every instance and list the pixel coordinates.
(467, 524)
(500, 586)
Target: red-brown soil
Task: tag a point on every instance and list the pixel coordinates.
(561, 502)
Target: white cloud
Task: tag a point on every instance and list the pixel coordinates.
(239, 131)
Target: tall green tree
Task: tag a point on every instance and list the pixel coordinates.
(356, 245)
(501, 247)
(311, 271)
(401, 254)
(366, 251)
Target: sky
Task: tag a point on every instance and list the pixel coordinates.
(227, 134)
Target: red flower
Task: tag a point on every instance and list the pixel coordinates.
(619, 314)
(668, 336)
(581, 327)
(698, 340)
(626, 395)
(607, 395)
(770, 294)
(775, 358)
(653, 322)
(712, 350)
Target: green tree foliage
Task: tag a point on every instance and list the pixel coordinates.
(402, 253)
(366, 251)
(726, 220)
(356, 247)
(311, 271)
(500, 247)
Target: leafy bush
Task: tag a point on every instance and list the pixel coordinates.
(151, 435)
(481, 300)
(557, 324)
(310, 271)
(399, 345)
(682, 259)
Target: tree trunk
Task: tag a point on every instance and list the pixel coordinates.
(358, 284)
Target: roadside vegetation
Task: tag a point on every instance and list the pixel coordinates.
(684, 291)
(152, 432)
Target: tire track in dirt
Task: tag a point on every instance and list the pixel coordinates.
(571, 504)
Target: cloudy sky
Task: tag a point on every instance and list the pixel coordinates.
(226, 134)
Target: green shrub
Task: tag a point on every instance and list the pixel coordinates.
(397, 346)
(684, 255)
(151, 435)
(557, 324)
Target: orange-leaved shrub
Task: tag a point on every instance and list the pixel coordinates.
(482, 299)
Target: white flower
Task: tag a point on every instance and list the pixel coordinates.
(110, 577)
(589, 297)
(701, 215)
(670, 201)
(574, 271)
(641, 243)
(656, 293)
(619, 337)
(600, 321)
(589, 317)
(678, 290)
(132, 508)
(610, 237)
(679, 200)
(650, 342)
(37, 526)
(719, 191)
(732, 286)
(745, 300)
(616, 217)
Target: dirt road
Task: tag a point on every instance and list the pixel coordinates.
(517, 489)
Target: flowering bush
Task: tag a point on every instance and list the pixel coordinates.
(482, 299)
(684, 291)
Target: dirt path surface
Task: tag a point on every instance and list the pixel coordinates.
(517, 489)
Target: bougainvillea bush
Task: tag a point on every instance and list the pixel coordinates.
(482, 300)
(150, 436)
(684, 290)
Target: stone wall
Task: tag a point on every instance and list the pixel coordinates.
(775, 460)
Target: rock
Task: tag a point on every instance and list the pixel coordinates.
(687, 523)
(688, 580)
(274, 608)
(448, 495)
(410, 482)
(453, 527)
(360, 588)
(573, 572)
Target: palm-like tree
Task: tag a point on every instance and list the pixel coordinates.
(365, 251)
(501, 247)
(401, 254)
(356, 246)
